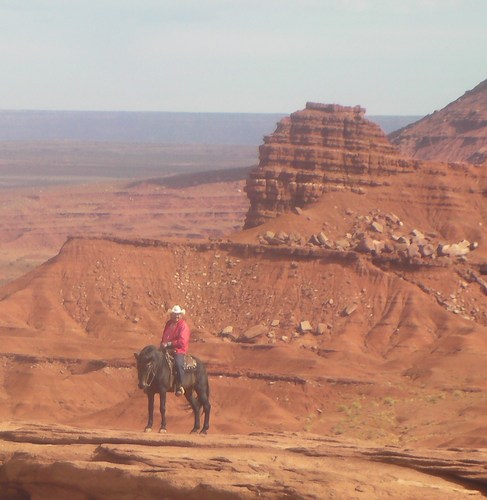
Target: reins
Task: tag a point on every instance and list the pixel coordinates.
(153, 371)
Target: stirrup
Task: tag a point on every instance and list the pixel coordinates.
(180, 391)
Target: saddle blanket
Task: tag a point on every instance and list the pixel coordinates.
(189, 362)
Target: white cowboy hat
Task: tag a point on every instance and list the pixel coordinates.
(177, 310)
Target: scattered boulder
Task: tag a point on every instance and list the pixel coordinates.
(295, 238)
(322, 239)
(253, 333)
(412, 251)
(427, 250)
(369, 245)
(321, 329)
(314, 240)
(393, 219)
(417, 235)
(378, 247)
(365, 245)
(454, 249)
(401, 246)
(227, 332)
(350, 309)
(281, 238)
(377, 227)
(343, 244)
(305, 327)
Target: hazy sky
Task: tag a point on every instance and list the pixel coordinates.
(389, 56)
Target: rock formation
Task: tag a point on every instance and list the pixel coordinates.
(319, 148)
(458, 132)
(326, 149)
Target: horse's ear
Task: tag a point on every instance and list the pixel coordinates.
(136, 355)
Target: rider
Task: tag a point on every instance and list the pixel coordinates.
(176, 337)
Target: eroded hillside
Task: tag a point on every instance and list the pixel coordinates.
(101, 300)
(458, 132)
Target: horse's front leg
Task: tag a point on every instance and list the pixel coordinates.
(162, 396)
(150, 401)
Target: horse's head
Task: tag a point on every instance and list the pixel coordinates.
(148, 362)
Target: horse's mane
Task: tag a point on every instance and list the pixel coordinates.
(148, 348)
(149, 351)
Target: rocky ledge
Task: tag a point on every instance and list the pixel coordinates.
(43, 462)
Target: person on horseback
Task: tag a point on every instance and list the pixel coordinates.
(176, 336)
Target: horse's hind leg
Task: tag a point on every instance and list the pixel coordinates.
(204, 401)
(162, 407)
(195, 406)
(203, 391)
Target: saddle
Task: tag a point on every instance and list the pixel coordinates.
(189, 365)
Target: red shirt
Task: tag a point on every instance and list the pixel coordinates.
(178, 334)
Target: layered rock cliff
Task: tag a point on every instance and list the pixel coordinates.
(320, 148)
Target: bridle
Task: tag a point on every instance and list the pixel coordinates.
(151, 372)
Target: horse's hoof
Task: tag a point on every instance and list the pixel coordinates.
(148, 429)
(194, 431)
(204, 431)
(162, 431)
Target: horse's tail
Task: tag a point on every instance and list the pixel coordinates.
(201, 376)
(207, 386)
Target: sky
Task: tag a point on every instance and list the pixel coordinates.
(392, 57)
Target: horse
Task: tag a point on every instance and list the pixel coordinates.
(155, 376)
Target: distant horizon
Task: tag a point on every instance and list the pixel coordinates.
(54, 110)
(168, 127)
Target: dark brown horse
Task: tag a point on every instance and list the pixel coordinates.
(155, 377)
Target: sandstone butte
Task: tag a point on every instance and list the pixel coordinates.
(366, 269)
